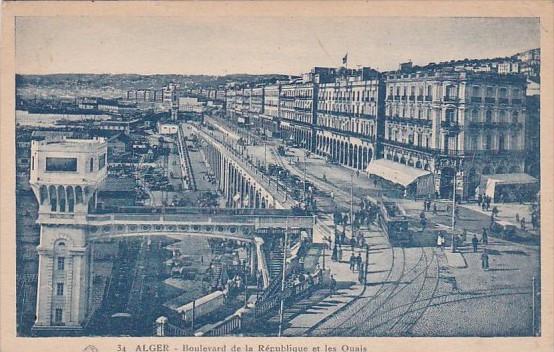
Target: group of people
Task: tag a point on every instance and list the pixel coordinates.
(355, 262)
(484, 201)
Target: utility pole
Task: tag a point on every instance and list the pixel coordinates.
(366, 263)
(352, 204)
(265, 154)
(305, 204)
(282, 307)
(453, 246)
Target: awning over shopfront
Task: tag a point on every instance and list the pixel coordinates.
(405, 176)
(511, 187)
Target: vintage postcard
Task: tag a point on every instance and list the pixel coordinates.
(276, 176)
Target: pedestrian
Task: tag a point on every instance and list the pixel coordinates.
(361, 274)
(485, 237)
(334, 255)
(358, 261)
(485, 260)
(517, 217)
(522, 222)
(483, 205)
(434, 208)
(464, 236)
(332, 286)
(479, 199)
(352, 243)
(495, 211)
(440, 241)
(352, 262)
(474, 242)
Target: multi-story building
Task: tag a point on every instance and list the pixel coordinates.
(270, 116)
(349, 117)
(256, 108)
(298, 106)
(533, 130)
(298, 114)
(455, 123)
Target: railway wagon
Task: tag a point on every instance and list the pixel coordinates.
(394, 222)
(202, 306)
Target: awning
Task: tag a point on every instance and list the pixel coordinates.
(395, 172)
(512, 179)
(517, 180)
(403, 175)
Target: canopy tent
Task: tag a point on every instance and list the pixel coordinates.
(511, 187)
(420, 182)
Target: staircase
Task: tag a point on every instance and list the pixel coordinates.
(216, 274)
(276, 261)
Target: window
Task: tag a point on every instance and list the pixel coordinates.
(58, 315)
(488, 142)
(501, 142)
(475, 115)
(59, 289)
(476, 91)
(488, 116)
(490, 92)
(102, 161)
(91, 167)
(61, 263)
(503, 92)
(502, 116)
(450, 115)
(515, 117)
(61, 164)
(429, 91)
(32, 163)
(515, 93)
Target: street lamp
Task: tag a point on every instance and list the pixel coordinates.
(352, 203)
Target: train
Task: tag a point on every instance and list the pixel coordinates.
(394, 222)
(202, 306)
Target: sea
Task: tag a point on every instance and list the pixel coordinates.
(25, 118)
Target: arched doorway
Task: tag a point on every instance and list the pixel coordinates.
(446, 182)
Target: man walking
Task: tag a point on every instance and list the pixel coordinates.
(484, 260)
(352, 262)
(474, 242)
(359, 262)
(485, 237)
(332, 286)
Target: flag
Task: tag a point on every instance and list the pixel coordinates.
(345, 59)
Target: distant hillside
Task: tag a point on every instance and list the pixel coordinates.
(125, 82)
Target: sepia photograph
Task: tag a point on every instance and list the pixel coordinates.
(277, 176)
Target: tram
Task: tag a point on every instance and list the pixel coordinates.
(394, 222)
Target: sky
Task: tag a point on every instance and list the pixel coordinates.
(258, 45)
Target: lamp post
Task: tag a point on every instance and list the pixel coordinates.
(283, 280)
(453, 246)
(352, 204)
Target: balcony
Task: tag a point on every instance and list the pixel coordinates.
(476, 99)
(417, 122)
(413, 147)
(516, 101)
(451, 127)
(428, 98)
(490, 125)
(389, 97)
(503, 100)
(489, 100)
(411, 98)
(449, 99)
(347, 132)
(420, 98)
